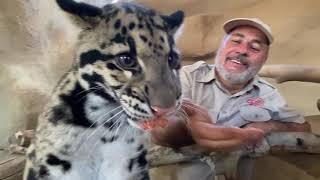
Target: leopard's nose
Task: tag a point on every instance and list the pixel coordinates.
(158, 111)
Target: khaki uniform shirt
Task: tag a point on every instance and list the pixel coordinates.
(258, 101)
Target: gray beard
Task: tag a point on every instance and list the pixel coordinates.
(236, 78)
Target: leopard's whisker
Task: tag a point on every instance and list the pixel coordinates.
(118, 121)
(184, 115)
(86, 95)
(106, 121)
(194, 108)
(103, 116)
(126, 131)
(88, 90)
(100, 118)
(81, 142)
(120, 124)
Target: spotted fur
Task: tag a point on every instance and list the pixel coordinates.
(125, 63)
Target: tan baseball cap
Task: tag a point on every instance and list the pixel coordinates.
(255, 22)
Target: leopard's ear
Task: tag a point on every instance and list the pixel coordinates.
(82, 14)
(174, 21)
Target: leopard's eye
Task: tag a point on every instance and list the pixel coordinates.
(173, 60)
(126, 61)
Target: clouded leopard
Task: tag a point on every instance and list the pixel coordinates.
(125, 73)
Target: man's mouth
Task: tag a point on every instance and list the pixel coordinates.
(235, 63)
(236, 60)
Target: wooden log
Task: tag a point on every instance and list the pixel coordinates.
(274, 143)
(285, 72)
(302, 142)
(11, 166)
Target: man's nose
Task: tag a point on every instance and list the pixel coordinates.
(242, 49)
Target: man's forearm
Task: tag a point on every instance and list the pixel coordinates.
(290, 126)
(276, 126)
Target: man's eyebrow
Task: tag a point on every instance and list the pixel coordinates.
(255, 40)
(237, 34)
(260, 41)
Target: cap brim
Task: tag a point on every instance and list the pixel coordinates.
(230, 25)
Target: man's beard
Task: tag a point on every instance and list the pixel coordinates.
(237, 78)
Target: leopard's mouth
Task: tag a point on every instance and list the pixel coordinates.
(159, 120)
(149, 117)
(153, 123)
(146, 122)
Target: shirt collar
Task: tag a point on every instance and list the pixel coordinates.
(252, 84)
(209, 75)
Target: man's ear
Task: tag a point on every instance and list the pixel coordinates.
(82, 14)
(174, 21)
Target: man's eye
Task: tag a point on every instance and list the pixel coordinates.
(126, 61)
(236, 41)
(255, 47)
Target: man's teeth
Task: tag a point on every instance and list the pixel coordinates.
(235, 61)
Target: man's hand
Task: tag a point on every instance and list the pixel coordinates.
(175, 134)
(199, 129)
(212, 137)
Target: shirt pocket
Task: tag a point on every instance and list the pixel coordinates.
(254, 114)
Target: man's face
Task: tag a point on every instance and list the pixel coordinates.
(242, 54)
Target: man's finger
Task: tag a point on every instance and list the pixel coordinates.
(191, 108)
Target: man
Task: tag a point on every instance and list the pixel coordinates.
(231, 95)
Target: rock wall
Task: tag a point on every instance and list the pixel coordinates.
(35, 49)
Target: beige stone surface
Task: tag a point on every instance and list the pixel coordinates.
(35, 43)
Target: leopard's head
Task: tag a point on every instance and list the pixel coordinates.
(129, 50)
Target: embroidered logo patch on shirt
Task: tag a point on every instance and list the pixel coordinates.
(255, 101)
